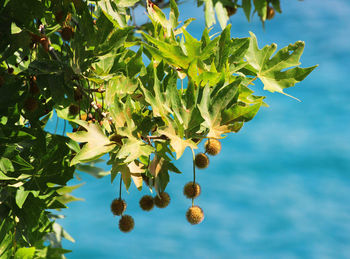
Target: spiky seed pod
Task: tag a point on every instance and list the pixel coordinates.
(195, 215)
(162, 201)
(118, 206)
(270, 12)
(147, 202)
(73, 109)
(212, 147)
(192, 190)
(31, 104)
(126, 223)
(201, 160)
(67, 33)
(231, 10)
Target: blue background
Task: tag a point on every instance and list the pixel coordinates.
(279, 189)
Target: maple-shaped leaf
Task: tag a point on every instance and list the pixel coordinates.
(280, 71)
(159, 168)
(97, 144)
(177, 142)
(157, 100)
(213, 103)
(133, 170)
(133, 148)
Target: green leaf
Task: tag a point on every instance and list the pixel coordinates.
(133, 148)
(209, 13)
(126, 3)
(276, 4)
(156, 100)
(97, 144)
(173, 54)
(25, 165)
(177, 142)
(96, 172)
(68, 189)
(133, 170)
(119, 87)
(6, 165)
(5, 177)
(221, 14)
(224, 50)
(276, 72)
(157, 16)
(112, 14)
(240, 113)
(261, 8)
(25, 253)
(174, 14)
(247, 6)
(21, 196)
(66, 198)
(213, 103)
(135, 64)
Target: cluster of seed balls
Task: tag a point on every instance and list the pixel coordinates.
(195, 214)
(147, 202)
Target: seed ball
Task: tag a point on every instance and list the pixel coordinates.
(73, 109)
(10, 70)
(212, 147)
(192, 190)
(31, 104)
(270, 13)
(67, 33)
(162, 201)
(201, 160)
(25, 58)
(147, 203)
(118, 206)
(195, 215)
(126, 223)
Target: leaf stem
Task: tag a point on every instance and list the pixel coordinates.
(194, 173)
(251, 81)
(120, 187)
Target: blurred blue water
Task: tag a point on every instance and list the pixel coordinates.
(279, 189)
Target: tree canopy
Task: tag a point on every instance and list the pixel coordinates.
(139, 93)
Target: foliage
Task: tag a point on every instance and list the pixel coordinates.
(223, 9)
(141, 94)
